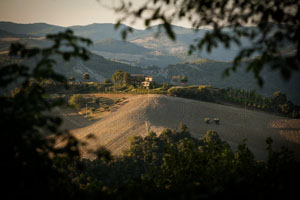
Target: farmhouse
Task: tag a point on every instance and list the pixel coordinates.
(146, 84)
(148, 81)
(141, 80)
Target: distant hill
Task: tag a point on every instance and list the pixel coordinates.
(5, 34)
(118, 46)
(93, 31)
(145, 38)
(36, 29)
(103, 31)
(7, 37)
(107, 42)
(209, 72)
(130, 53)
(97, 66)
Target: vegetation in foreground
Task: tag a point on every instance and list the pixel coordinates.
(175, 165)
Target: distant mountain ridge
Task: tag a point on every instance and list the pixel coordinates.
(166, 51)
(93, 31)
(35, 29)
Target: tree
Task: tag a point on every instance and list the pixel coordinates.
(182, 128)
(107, 81)
(77, 101)
(175, 79)
(120, 78)
(72, 79)
(30, 160)
(117, 77)
(274, 27)
(86, 76)
(279, 98)
(183, 79)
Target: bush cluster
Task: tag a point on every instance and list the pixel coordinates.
(77, 101)
(192, 92)
(278, 103)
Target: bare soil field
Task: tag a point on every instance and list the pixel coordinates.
(141, 113)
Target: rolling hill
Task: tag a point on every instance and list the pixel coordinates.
(157, 112)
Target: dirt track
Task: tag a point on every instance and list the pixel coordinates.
(157, 112)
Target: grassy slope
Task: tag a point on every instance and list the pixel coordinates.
(115, 129)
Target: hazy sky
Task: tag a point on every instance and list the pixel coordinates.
(60, 12)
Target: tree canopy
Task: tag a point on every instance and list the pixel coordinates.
(274, 33)
(120, 78)
(183, 79)
(28, 159)
(86, 76)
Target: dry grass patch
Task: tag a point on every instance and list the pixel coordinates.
(289, 128)
(92, 107)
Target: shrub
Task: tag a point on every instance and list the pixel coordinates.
(192, 92)
(107, 81)
(206, 120)
(165, 86)
(85, 76)
(217, 120)
(77, 101)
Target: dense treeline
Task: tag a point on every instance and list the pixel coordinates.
(192, 92)
(278, 103)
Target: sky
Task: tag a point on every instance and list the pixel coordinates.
(62, 12)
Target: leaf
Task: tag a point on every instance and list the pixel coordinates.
(169, 31)
(124, 34)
